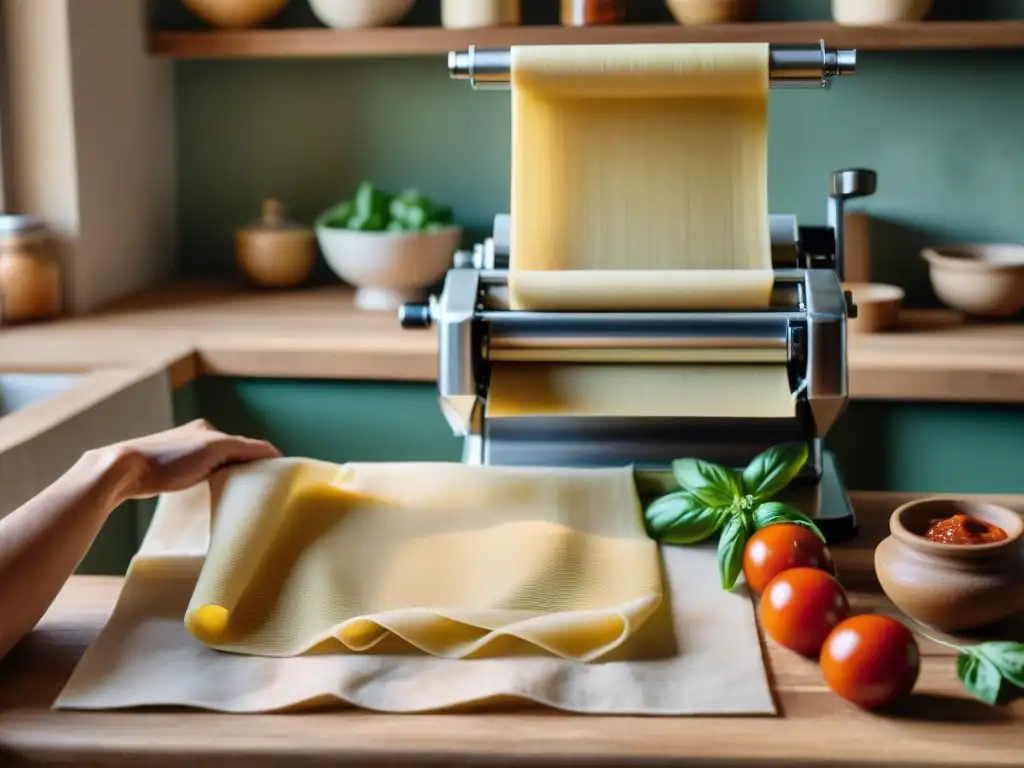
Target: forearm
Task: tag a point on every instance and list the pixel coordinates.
(44, 540)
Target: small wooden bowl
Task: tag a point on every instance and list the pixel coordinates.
(235, 14)
(712, 11)
(952, 587)
(878, 307)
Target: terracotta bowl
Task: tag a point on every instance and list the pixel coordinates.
(878, 307)
(711, 11)
(984, 280)
(952, 587)
(235, 14)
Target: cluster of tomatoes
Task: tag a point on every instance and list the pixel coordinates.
(870, 660)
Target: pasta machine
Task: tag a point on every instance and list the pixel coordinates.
(805, 326)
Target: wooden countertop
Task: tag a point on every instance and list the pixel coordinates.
(217, 329)
(938, 726)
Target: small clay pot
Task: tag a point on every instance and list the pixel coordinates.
(274, 252)
(952, 587)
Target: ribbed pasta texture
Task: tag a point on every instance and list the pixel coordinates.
(308, 555)
(639, 177)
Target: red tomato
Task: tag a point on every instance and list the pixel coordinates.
(871, 660)
(777, 548)
(800, 607)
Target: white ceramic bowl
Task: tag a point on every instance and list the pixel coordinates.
(389, 268)
(981, 280)
(359, 14)
(867, 12)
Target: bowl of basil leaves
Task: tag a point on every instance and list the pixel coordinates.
(391, 247)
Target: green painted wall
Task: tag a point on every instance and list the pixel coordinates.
(944, 131)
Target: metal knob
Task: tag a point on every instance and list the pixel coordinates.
(415, 316)
(854, 182)
(851, 308)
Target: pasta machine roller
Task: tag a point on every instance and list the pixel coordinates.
(787, 65)
(804, 328)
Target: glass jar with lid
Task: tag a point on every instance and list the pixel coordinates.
(30, 278)
(582, 13)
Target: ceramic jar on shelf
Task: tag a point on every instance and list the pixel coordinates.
(586, 13)
(30, 275)
(866, 12)
(274, 252)
(470, 14)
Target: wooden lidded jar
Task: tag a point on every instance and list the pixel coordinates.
(274, 252)
(30, 279)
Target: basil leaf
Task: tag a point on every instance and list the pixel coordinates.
(1008, 658)
(772, 512)
(730, 548)
(979, 676)
(682, 518)
(714, 485)
(774, 469)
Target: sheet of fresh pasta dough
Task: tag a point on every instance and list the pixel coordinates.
(454, 559)
(639, 177)
(639, 182)
(667, 391)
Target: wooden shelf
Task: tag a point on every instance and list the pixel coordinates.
(421, 41)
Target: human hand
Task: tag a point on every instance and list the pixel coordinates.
(179, 458)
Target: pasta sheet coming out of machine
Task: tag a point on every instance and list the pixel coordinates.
(639, 183)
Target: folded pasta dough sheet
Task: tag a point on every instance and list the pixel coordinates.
(457, 560)
(640, 158)
(665, 391)
(698, 653)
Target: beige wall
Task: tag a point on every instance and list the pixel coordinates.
(90, 144)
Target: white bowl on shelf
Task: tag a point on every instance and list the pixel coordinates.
(867, 12)
(360, 14)
(389, 269)
(981, 279)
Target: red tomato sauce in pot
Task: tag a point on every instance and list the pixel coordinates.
(964, 529)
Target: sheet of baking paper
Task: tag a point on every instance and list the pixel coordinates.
(699, 653)
(640, 157)
(667, 391)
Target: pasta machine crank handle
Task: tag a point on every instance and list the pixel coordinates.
(846, 185)
(809, 65)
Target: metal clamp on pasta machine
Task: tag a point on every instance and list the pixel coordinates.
(805, 328)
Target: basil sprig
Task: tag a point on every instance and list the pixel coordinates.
(985, 669)
(719, 500)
